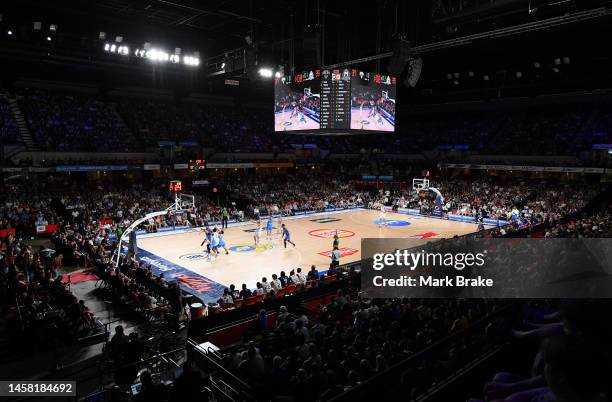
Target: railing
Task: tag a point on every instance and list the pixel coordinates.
(232, 387)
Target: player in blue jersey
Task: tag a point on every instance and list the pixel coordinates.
(269, 228)
(214, 242)
(222, 242)
(287, 236)
(301, 117)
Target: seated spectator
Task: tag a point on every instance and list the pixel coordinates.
(276, 283)
(313, 274)
(245, 293)
(150, 391)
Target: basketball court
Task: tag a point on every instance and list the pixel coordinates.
(179, 255)
(283, 121)
(360, 120)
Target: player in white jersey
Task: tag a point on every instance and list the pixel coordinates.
(257, 234)
(382, 216)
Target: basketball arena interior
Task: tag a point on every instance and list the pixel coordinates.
(191, 192)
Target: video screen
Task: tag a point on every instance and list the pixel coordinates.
(297, 102)
(372, 101)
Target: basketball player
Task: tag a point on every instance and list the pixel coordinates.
(286, 236)
(222, 242)
(301, 117)
(257, 234)
(207, 238)
(280, 226)
(372, 111)
(382, 217)
(294, 110)
(269, 229)
(214, 243)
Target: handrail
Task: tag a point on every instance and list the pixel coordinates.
(245, 388)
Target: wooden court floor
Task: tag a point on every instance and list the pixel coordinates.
(313, 236)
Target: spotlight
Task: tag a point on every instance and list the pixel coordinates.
(265, 72)
(191, 61)
(277, 74)
(107, 47)
(53, 28)
(557, 62)
(102, 35)
(449, 76)
(223, 65)
(48, 39)
(10, 32)
(174, 58)
(485, 78)
(37, 25)
(537, 65)
(119, 39)
(519, 74)
(113, 48)
(456, 75)
(470, 74)
(555, 69)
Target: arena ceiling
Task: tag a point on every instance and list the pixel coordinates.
(283, 33)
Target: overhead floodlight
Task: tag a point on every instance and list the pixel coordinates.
(147, 45)
(10, 32)
(277, 74)
(266, 72)
(53, 28)
(191, 61)
(48, 39)
(107, 47)
(557, 62)
(175, 58)
(102, 35)
(223, 65)
(566, 60)
(37, 25)
(119, 39)
(113, 48)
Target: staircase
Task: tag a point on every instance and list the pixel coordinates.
(26, 136)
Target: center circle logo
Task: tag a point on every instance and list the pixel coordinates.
(365, 121)
(392, 222)
(287, 123)
(247, 248)
(329, 233)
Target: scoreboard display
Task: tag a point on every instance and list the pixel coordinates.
(325, 100)
(197, 164)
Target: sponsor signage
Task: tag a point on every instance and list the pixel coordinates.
(329, 233)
